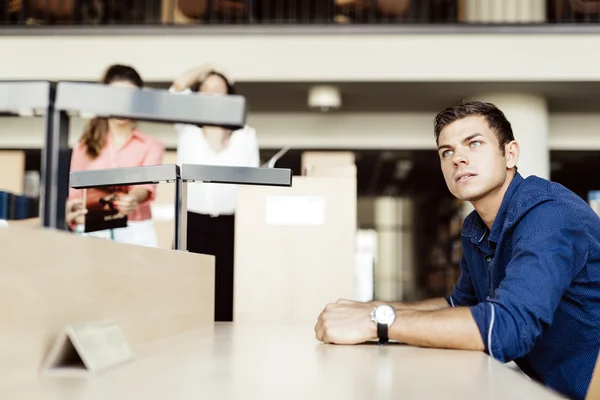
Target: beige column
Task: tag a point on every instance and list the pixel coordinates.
(386, 268)
(528, 115)
(394, 277)
(507, 11)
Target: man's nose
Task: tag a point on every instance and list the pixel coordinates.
(460, 158)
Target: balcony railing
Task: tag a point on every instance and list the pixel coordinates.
(29, 13)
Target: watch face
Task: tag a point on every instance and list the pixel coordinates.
(385, 314)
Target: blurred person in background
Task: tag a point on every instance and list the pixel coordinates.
(351, 10)
(385, 7)
(117, 143)
(211, 207)
(198, 9)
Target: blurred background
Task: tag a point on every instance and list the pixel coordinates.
(359, 76)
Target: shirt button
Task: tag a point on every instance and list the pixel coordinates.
(488, 298)
(488, 258)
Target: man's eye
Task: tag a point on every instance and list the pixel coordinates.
(475, 143)
(446, 153)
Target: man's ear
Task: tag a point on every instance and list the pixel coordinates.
(512, 152)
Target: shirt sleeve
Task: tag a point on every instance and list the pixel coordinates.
(253, 149)
(463, 294)
(79, 162)
(154, 156)
(548, 250)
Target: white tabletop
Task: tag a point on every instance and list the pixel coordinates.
(231, 361)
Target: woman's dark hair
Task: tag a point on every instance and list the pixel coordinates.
(94, 135)
(230, 87)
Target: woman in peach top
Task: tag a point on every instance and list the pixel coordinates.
(116, 143)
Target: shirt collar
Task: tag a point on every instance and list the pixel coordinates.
(136, 134)
(476, 229)
(499, 221)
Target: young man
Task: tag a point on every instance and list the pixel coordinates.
(529, 288)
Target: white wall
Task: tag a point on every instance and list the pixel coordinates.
(312, 57)
(568, 131)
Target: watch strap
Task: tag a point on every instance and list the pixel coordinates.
(382, 334)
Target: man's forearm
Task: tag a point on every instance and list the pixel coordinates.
(450, 328)
(437, 303)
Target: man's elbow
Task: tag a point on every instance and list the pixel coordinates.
(502, 336)
(510, 343)
(509, 352)
(476, 343)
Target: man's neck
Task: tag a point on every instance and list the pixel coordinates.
(488, 206)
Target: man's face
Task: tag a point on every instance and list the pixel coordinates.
(471, 159)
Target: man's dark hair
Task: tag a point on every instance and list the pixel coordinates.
(495, 118)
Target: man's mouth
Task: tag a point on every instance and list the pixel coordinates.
(464, 177)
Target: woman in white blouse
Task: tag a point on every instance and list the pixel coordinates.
(211, 206)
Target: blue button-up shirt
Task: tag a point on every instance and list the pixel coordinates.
(532, 283)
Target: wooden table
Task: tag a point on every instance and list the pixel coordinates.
(262, 361)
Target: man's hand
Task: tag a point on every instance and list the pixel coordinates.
(345, 324)
(126, 204)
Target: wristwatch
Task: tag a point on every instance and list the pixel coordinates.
(384, 316)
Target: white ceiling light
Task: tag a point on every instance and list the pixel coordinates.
(324, 98)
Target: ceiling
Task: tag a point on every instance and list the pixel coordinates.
(413, 96)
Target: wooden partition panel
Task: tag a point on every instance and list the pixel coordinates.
(325, 160)
(12, 167)
(51, 279)
(294, 249)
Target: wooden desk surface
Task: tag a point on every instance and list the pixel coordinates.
(232, 361)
